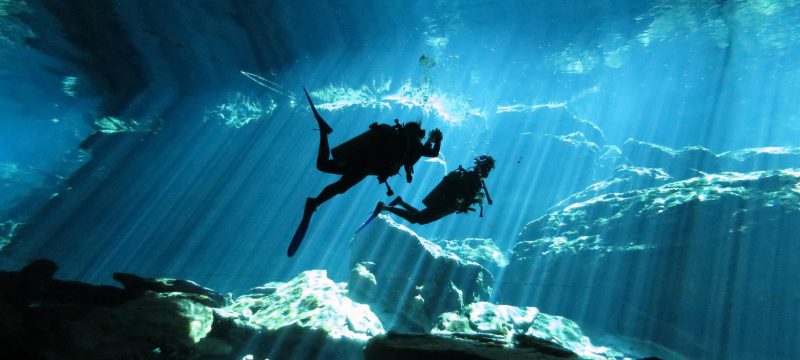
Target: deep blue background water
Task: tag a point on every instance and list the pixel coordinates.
(190, 197)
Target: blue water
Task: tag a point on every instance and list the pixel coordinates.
(205, 176)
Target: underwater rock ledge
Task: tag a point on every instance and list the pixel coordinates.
(155, 319)
(697, 246)
(394, 346)
(394, 268)
(308, 317)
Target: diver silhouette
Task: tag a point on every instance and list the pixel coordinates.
(380, 151)
(457, 192)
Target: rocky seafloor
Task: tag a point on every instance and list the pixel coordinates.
(441, 313)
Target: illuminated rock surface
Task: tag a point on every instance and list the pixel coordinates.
(663, 165)
(625, 178)
(309, 316)
(481, 251)
(48, 318)
(509, 321)
(680, 240)
(415, 279)
(311, 301)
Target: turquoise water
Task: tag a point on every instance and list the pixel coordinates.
(173, 140)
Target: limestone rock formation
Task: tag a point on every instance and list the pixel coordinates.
(310, 300)
(482, 251)
(509, 321)
(308, 315)
(138, 285)
(683, 163)
(414, 279)
(761, 159)
(394, 346)
(624, 178)
(47, 318)
(697, 246)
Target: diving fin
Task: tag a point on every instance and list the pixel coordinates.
(323, 126)
(374, 214)
(300, 233)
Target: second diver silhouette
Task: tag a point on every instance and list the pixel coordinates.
(457, 192)
(380, 151)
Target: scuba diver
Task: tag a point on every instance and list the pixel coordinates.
(457, 192)
(380, 151)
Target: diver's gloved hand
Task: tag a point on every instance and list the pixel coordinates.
(409, 178)
(436, 134)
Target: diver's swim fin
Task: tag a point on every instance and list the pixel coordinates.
(374, 214)
(323, 126)
(300, 233)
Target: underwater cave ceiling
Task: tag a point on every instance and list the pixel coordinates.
(645, 195)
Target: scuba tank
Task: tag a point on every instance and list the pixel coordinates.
(457, 191)
(367, 148)
(446, 191)
(381, 151)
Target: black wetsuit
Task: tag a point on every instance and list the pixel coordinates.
(455, 193)
(381, 151)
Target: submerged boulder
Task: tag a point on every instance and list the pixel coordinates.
(510, 321)
(138, 285)
(308, 317)
(408, 279)
(482, 251)
(47, 318)
(658, 257)
(310, 300)
(310, 313)
(169, 324)
(394, 346)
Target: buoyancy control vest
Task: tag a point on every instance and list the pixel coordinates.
(457, 191)
(381, 150)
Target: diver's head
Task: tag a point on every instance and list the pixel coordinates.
(484, 164)
(414, 128)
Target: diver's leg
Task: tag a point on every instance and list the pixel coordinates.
(405, 205)
(339, 187)
(429, 215)
(410, 216)
(324, 161)
(324, 128)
